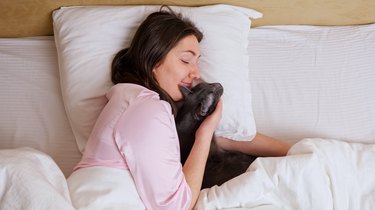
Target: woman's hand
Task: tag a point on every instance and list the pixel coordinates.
(209, 125)
(196, 161)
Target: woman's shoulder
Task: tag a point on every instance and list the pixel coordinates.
(137, 95)
(129, 90)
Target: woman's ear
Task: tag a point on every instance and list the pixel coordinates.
(156, 69)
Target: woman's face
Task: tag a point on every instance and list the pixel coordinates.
(179, 67)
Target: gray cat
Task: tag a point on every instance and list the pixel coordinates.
(198, 103)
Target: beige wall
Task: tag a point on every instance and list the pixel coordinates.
(20, 18)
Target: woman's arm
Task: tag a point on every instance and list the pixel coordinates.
(196, 162)
(261, 145)
(146, 136)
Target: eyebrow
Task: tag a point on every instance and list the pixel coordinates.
(192, 52)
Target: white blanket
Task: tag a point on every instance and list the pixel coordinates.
(316, 174)
(30, 180)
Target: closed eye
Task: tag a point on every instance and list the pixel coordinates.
(186, 62)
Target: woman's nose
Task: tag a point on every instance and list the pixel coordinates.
(195, 73)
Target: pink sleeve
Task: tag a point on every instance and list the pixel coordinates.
(147, 137)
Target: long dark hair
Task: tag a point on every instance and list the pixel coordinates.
(155, 37)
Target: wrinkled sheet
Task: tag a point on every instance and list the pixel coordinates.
(30, 180)
(316, 174)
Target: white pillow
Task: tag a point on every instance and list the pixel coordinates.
(87, 38)
(32, 113)
(314, 81)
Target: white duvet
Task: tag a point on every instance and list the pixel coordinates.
(31, 180)
(317, 174)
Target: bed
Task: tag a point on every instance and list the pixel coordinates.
(300, 71)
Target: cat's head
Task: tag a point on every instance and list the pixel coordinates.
(201, 100)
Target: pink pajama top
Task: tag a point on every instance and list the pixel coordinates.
(136, 132)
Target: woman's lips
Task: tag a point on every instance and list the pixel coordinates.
(186, 84)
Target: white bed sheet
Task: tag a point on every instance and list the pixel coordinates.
(31, 109)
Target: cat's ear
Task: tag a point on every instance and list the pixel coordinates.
(185, 91)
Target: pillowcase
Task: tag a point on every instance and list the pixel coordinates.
(87, 39)
(314, 81)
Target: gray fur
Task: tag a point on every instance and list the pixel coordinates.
(198, 103)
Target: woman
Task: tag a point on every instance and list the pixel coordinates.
(136, 129)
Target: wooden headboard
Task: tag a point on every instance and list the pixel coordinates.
(22, 18)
